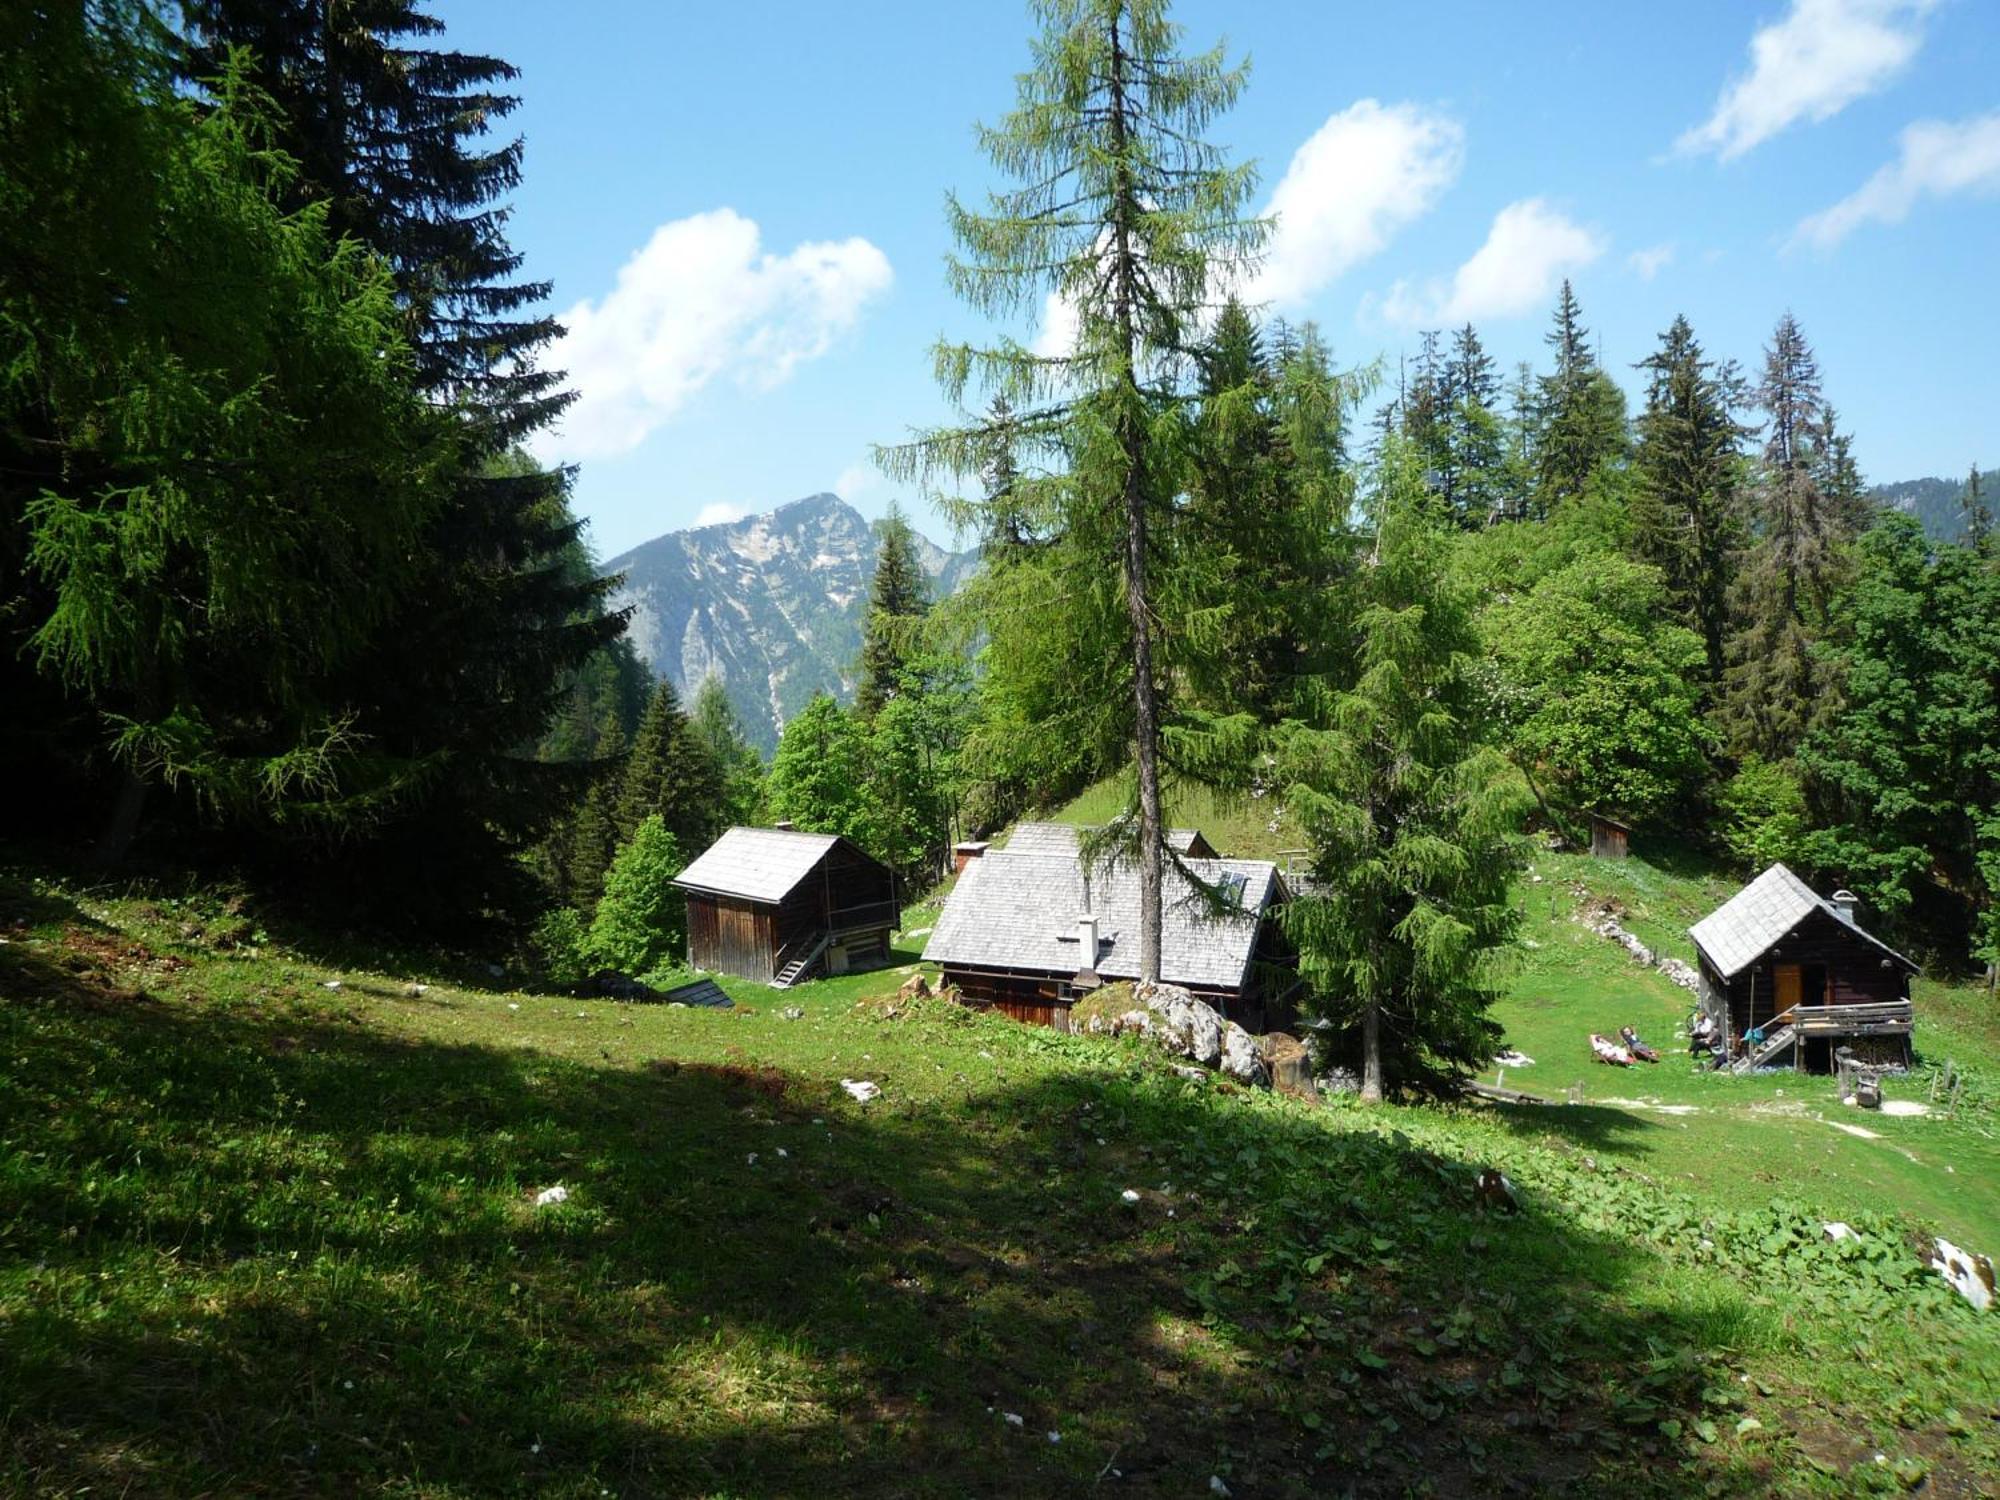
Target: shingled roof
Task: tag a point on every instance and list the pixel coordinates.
(1060, 838)
(757, 864)
(1746, 926)
(1019, 911)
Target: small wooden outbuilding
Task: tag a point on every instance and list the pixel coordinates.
(777, 905)
(1609, 838)
(1781, 960)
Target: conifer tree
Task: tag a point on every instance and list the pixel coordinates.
(1789, 576)
(1413, 821)
(716, 726)
(1580, 414)
(215, 473)
(1978, 514)
(897, 600)
(670, 773)
(1686, 511)
(591, 838)
(1474, 436)
(1128, 216)
(390, 131)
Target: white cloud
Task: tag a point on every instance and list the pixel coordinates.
(1363, 175)
(1530, 248)
(1648, 263)
(1810, 64)
(1055, 334)
(1938, 158)
(721, 513)
(857, 479)
(699, 301)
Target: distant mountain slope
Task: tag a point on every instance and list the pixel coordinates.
(1938, 503)
(772, 603)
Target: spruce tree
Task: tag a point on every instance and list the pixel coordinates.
(898, 599)
(1797, 561)
(1129, 216)
(671, 774)
(591, 837)
(1474, 436)
(1978, 514)
(391, 133)
(1413, 821)
(1686, 510)
(1579, 412)
(716, 726)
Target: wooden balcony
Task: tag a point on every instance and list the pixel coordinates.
(1887, 1018)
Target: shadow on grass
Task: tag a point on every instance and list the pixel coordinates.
(277, 1252)
(1599, 1127)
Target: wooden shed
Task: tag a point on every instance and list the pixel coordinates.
(780, 906)
(1609, 838)
(1028, 932)
(1781, 960)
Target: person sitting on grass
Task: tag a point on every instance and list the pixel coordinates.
(1637, 1048)
(1701, 1034)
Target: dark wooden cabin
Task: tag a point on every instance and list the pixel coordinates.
(1028, 932)
(777, 905)
(1779, 958)
(1609, 838)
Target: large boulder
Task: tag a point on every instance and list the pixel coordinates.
(1289, 1063)
(1240, 1058)
(1185, 1025)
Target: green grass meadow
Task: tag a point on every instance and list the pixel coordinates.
(263, 1236)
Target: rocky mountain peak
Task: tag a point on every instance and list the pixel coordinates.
(772, 604)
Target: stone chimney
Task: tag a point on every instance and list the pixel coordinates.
(965, 853)
(1086, 957)
(1844, 903)
(783, 825)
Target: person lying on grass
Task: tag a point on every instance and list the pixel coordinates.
(1636, 1047)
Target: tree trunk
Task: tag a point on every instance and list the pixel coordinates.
(119, 830)
(1132, 438)
(1371, 1054)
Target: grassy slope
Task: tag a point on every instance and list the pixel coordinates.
(261, 1236)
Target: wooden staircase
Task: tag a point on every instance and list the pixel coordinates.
(792, 970)
(1772, 1046)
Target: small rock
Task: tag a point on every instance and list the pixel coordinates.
(861, 1090)
(1217, 1487)
(792, 1013)
(330, 984)
(1013, 1418)
(1130, 1195)
(548, 1195)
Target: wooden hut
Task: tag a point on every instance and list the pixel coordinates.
(1609, 838)
(1779, 959)
(1028, 932)
(780, 906)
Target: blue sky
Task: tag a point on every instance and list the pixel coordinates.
(741, 207)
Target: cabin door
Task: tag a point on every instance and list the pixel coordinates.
(1787, 990)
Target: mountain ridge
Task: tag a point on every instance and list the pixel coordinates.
(772, 603)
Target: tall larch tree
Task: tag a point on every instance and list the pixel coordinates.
(898, 600)
(1686, 504)
(1127, 215)
(1794, 565)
